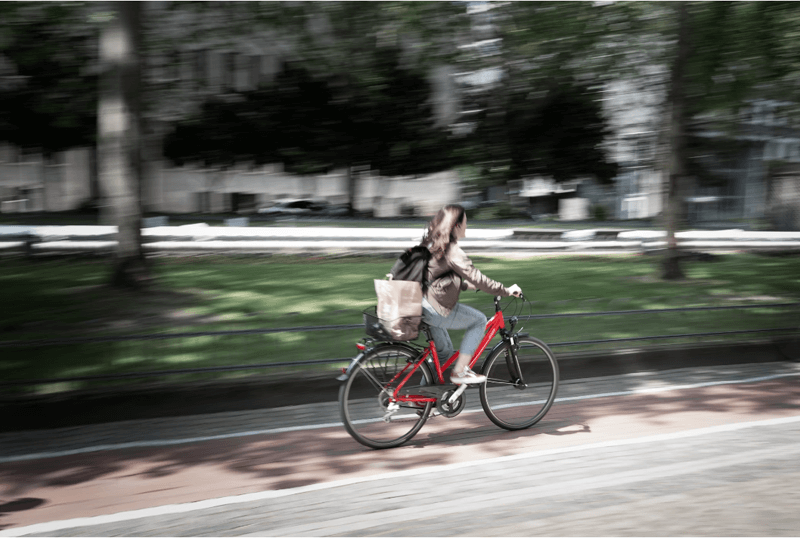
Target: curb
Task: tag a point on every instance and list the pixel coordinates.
(156, 400)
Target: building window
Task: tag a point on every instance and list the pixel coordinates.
(204, 202)
(201, 67)
(254, 71)
(228, 71)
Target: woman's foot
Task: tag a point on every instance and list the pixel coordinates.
(467, 377)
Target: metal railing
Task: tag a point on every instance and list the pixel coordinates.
(312, 328)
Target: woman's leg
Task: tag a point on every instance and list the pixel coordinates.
(461, 317)
(474, 321)
(444, 345)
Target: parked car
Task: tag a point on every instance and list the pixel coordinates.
(338, 210)
(295, 207)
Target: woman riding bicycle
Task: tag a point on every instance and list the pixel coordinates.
(449, 272)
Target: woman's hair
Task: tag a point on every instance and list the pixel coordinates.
(439, 233)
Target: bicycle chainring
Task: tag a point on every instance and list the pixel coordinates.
(447, 409)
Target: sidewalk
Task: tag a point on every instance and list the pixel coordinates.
(628, 470)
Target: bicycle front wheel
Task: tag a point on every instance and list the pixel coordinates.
(513, 403)
(364, 399)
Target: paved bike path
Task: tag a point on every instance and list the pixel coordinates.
(275, 454)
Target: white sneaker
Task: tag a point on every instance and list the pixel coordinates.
(467, 377)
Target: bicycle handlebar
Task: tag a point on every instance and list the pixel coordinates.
(498, 298)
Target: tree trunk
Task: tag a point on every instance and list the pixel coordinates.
(119, 132)
(676, 171)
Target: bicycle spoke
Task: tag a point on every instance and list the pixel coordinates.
(369, 375)
(500, 381)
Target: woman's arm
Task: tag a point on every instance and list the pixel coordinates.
(463, 266)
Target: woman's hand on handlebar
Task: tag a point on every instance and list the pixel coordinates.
(515, 290)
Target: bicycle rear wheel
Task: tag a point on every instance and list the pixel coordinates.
(516, 405)
(364, 401)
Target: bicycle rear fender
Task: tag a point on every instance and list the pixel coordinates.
(346, 375)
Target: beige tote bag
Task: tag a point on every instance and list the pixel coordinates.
(399, 307)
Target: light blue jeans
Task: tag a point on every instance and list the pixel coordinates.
(461, 317)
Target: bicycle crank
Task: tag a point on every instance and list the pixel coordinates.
(451, 409)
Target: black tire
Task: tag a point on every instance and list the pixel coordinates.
(506, 402)
(363, 401)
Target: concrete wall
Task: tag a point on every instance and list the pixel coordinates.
(387, 196)
(178, 190)
(573, 209)
(783, 206)
(29, 183)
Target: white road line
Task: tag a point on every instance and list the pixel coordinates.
(275, 431)
(667, 388)
(52, 526)
(163, 442)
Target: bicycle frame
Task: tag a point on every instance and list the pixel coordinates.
(493, 326)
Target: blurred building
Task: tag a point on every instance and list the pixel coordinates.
(757, 180)
(188, 68)
(633, 110)
(29, 182)
(751, 174)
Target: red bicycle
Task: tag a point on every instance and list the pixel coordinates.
(390, 388)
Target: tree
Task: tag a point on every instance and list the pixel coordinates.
(557, 132)
(350, 43)
(339, 101)
(677, 144)
(724, 55)
(716, 55)
(539, 115)
(297, 120)
(47, 86)
(119, 139)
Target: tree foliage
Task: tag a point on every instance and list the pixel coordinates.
(48, 97)
(557, 131)
(304, 122)
(542, 116)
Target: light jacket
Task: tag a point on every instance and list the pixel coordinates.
(444, 288)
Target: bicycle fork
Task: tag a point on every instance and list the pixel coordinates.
(512, 361)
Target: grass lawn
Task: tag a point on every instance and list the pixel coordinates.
(66, 298)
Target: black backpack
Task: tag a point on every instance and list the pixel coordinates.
(413, 265)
